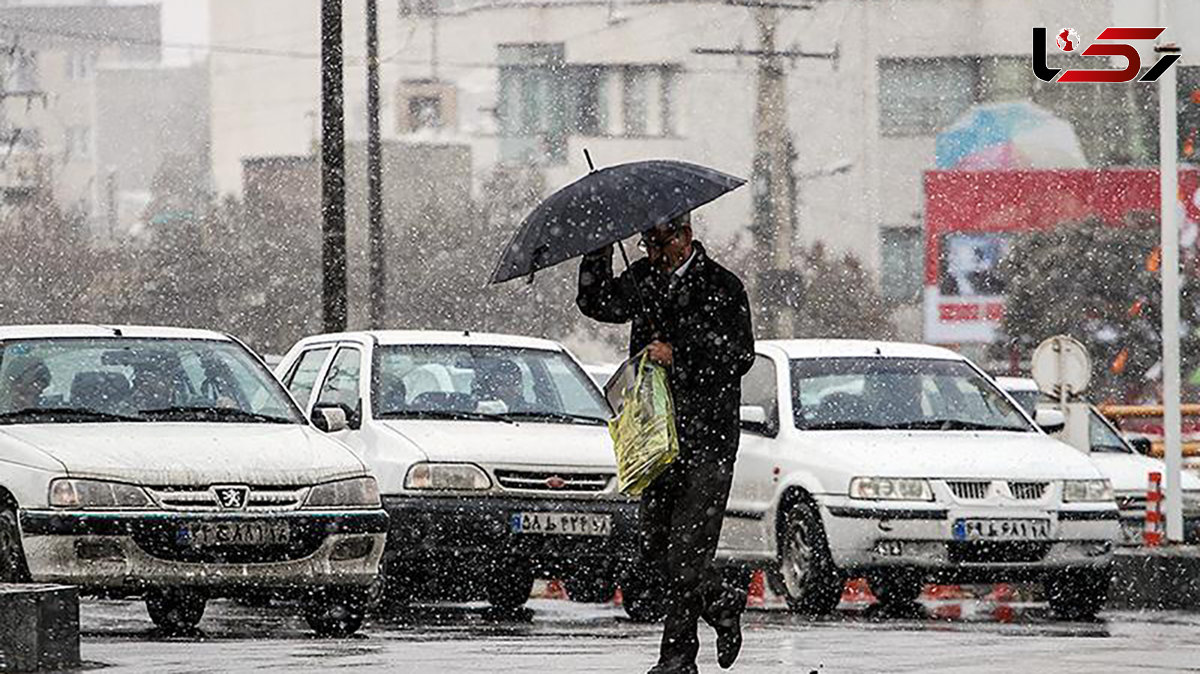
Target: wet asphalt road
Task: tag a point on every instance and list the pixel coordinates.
(560, 636)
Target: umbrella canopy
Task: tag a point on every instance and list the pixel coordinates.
(607, 206)
(1012, 135)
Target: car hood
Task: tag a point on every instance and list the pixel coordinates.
(1131, 472)
(184, 454)
(949, 454)
(494, 443)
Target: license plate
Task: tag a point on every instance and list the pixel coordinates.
(571, 524)
(215, 534)
(1001, 530)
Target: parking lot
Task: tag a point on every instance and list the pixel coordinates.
(559, 636)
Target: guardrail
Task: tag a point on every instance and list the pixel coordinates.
(1191, 448)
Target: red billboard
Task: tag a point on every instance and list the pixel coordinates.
(973, 217)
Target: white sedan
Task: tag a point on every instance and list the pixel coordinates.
(493, 457)
(169, 464)
(904, 464)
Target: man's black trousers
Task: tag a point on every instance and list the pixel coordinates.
(681, 516)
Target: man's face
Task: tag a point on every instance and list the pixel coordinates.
(667, 248)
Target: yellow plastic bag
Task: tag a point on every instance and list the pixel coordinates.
(643, 432)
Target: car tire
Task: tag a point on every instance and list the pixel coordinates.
(174, 610)
(510, 585)
(12, 556)
(336, 612)
(1077, 594)
(810, 581)
(898, 589)
(590, 588)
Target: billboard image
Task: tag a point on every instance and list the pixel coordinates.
(973, 218)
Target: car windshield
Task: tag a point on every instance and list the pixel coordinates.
(136, 379)
(1103, 437)
(454, 381)
(898, 393)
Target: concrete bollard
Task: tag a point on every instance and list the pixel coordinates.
(39, 627)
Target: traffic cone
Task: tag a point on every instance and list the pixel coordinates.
(857, 590)
(618, 598)
(945, 592)
(757, 595)
(555, 590)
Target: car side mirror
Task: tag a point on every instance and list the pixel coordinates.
(754, 419)
(1050, 421)
(330, 418)
(1141, 445)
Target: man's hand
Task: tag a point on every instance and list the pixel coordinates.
(661, 353)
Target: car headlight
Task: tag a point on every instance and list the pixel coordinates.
(358, 492)
(1087, 491)
(68, 493)
(891, 489)
(448, 476)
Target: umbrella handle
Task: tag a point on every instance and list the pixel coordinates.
(637, 289)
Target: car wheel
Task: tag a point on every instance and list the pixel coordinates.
(336, 612)
(175, 610)
(590, 587)
(510, 585)
(810, 581)
(1077, 594)
(12, 558)
(898, 589)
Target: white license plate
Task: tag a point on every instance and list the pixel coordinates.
(212, 534)
(571, 524)
(1001, 530)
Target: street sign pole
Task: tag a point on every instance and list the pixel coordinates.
(1169, 218)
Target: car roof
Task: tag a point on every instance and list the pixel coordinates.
(439, 337)
(857, 348)
(86, 330)
(1017, 384)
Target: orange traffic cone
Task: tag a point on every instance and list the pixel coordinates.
(618, 598)
(555, 590)
(857, 591)
(757, 595)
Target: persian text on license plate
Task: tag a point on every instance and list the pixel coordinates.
(572, 524)
(209, 534)
(1001, 530)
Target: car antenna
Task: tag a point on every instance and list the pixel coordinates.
(116, 331)
(466, 333)
(878, 351)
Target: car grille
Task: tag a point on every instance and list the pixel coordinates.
(552, 482)
(972, 490)
(202, 499)
(1028, 491)
(996, 552)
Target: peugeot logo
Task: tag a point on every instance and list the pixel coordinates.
(231, 497)
(555, 482)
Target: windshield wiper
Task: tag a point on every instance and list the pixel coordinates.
(558, 416)
(61, 415)
(844, 425)
(445, 414)
(953, 425)
(208, 413)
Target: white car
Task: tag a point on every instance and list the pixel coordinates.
(169, 463)
(1127, 469)
(904, 463)
(492, 454)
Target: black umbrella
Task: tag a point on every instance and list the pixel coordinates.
(607, 206)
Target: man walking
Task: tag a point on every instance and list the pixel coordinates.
(691, 315)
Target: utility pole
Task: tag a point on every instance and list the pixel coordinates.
(773, 187)
(333, 169)
(376, 295)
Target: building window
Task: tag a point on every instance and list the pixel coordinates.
(21, 72)
(81, 65)
(426, 104)
(77, 143)
(902, 262)
(543, 100)
(921, 96)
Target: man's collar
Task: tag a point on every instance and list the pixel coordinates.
(683, 268)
